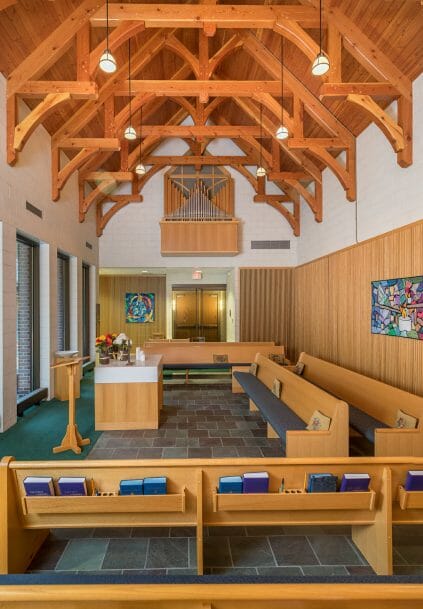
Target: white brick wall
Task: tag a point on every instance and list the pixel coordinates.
(30, 180)
(388, 196)
(132, 237)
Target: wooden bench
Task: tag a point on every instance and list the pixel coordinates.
(288, 415)
(378, 403)
(189, 355)
(194, 501)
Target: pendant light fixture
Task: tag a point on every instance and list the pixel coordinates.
(107, 62)
(261, 170)
(140, 168)
(130, 133)
(321, 63)
(282, 131)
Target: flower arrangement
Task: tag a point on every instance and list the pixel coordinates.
(104, 342)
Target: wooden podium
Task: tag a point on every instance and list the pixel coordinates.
(72, 440)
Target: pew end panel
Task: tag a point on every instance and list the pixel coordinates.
(18, 545)
(304, 398)
(377, 399)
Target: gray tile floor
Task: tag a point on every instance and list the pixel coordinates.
(210, 421)
(307, 550)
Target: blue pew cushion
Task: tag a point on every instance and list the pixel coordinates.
(274, 411)
(364, 423)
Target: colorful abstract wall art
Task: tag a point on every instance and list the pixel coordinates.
(139, 307)
(397, 307)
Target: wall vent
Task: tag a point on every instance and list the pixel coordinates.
(89, 245)
(34, 210)
(270, 245)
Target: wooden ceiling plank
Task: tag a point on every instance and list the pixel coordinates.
(198, 16)
(367, 52)
(24, 129)
(342, 89)
(40, 88)
(6, 3)
(174, 44)
(117, 38)
(298, 36)
(234, 43)
(53, 47)
(386, 124)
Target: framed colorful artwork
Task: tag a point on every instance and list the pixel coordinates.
(139, 307)
(397, 307)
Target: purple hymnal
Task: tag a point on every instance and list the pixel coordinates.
(255, 482)
(355, 482)
(414, 481)
(72, 486)
(41, 486)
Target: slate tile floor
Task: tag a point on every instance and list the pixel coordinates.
(210, 421)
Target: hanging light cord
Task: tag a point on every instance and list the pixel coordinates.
(261, 135)
(129, 80)
(282, 80)
(140, 134)
(107, 24)
(320, 21)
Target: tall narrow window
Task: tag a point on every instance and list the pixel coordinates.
(27, 317)
(85, 310)
(63, 325)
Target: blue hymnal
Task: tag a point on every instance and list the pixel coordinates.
(414, 481)
(255, 482)
(321, 483)
(355, 482)
(131, 487)
(230, 484)
(155, 486)
(38, 486)
(72, 486)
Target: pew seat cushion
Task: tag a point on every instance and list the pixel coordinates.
(364, 423)
(278, 414)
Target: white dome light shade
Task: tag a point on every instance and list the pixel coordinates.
(282, 133)
(320, 65)
(260, 172)
(107, 62)
(130, 133)
(140, 169)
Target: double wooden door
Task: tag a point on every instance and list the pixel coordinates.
(199, 313)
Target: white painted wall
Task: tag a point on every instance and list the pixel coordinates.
(132, 237)
(388, 196)
(59, 229)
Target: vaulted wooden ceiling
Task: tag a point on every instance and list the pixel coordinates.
(218, 63)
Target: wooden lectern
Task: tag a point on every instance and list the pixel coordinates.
(72, 439)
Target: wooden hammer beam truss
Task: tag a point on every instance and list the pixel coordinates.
(196, 80)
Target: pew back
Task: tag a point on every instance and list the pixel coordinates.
(202, 353)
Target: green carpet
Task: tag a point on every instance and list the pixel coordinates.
(42, 427)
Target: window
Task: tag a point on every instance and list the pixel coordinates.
(85, 310)
(27, 317)
(63, 323)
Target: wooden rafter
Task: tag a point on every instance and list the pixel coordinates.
(189, 88)
(201, 16)
(116, 39)
(212, 131)
(198, 160)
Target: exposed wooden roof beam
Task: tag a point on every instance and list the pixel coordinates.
(198, 160)
(198, 16)
(213, 88)
(52, 47)
(213, 131)
(342, 89)
(41, 88)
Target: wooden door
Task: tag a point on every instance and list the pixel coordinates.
(199, 314)
(185, 318)
(209, 315)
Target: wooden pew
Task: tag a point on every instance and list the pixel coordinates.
(304, 398)
(193, 501)
(214, 596)
(376, 399)
(239, 355)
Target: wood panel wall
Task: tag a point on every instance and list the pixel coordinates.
(332, 304)
(112, 290)
(265, 304)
